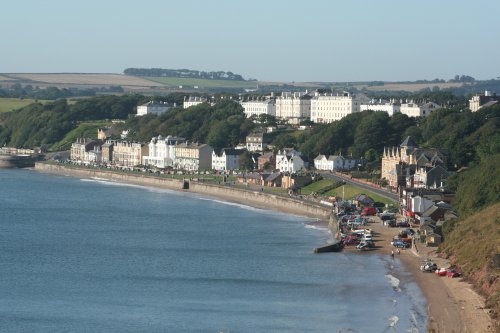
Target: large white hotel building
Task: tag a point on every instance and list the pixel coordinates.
(326, 108)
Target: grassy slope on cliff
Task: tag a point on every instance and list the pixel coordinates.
(473, 241)
(474, 246)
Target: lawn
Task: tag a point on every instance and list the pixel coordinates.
(346, 191)
(11, 104)
(84, 129)
(202, 83)
(349, 191)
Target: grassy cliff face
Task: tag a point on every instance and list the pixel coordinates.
(474, 246)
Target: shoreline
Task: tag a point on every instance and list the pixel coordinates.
(453, 306)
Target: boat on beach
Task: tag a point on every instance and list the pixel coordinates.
(335, 247)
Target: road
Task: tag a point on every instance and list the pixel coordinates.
(379, 191)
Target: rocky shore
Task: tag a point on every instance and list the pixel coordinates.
(453, 305)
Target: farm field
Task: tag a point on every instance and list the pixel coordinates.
(202, 83)
(11, 104)
(410, 87)
(83, 79)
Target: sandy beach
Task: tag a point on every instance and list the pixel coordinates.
(453, 306)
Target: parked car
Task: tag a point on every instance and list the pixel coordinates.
(369, 211)
(440, 272)
(367, 244)
(391, 211)
(367, 237)
(387, 216)
(391, 223)
(428, 266)
(402, 224)
(452, 273)
(400, 244)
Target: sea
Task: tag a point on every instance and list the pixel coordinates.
(90, 255)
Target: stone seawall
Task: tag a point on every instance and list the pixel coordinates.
(227, 193)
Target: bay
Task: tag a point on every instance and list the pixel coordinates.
(95, 256)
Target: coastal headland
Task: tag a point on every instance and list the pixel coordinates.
(453, 306)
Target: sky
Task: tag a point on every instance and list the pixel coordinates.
(268, 40)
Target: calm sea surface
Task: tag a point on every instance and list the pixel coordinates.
(95, 256)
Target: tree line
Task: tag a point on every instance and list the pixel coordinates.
(183, 73)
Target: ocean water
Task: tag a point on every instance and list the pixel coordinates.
(95, 256)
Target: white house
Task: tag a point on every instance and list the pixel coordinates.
(391, 107)
(290, 161)
(334, 162)
(152, 107)
(414, 110)
(227, 159)
(259, 106)
(192, 101)
(162, 151)
(255, 142)
(293, 107)
(326, 108)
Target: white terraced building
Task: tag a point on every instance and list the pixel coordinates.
(192, 101)
(391, 107)
(327, 108)
(414, 110)
(162, 151)
(259, 106)
(293, 107)
(334, 163)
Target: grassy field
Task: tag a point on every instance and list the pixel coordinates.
(316, 186)
(11, 104)
(83, 79)
(86, 129)
(201, 83)
(348, 191)
(410, 87)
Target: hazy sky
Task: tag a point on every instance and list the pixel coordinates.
(274, 40)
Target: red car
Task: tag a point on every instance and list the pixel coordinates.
(441, 272)
(452, 273)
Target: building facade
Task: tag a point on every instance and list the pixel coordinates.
(193, 156)
(327, 108)
(192, 101)
(129, 153)
(255, 142)
(334, 163)
(293, 107)
(483, 100)
(415, 110)
(399, 162)
(152, 107)
(391, 107)
(227, 159)
(162, 151)
(81, 147)
(259, 106)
